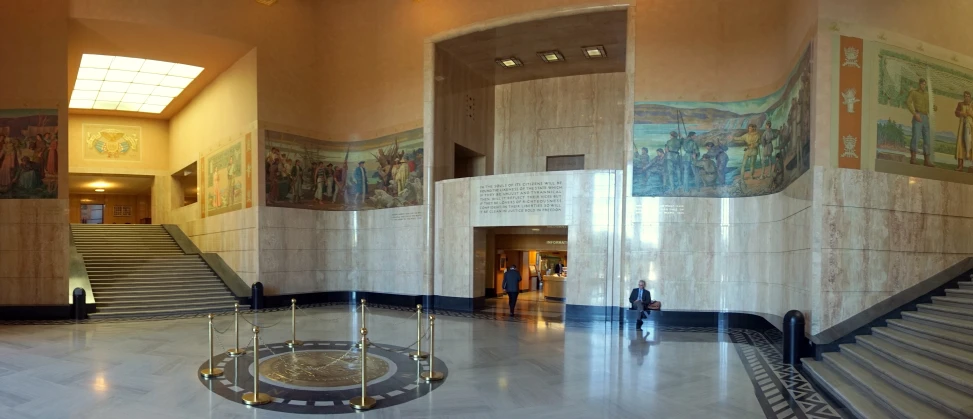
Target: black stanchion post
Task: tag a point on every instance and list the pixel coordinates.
(257, 296)
(794, 339)
(78, 308)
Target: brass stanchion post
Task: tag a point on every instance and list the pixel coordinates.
(256, 398)
(236, 350)
(364, 402)
(293, 342)
(432, 375)
(418, 354)
(363, 325)
(211, 373)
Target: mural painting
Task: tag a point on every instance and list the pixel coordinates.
(924, 112)
(384, 172)
(112, 142)
(225, 179)
(28, 153)
(725, 149)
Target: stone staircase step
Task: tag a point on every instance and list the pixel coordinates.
(953, 301)
(965, 284)
(160, 281)
(908, 357)
(138, 270)
(161, 291)
(959, 292)
(948, 323)
(928, 336)
(850, 395)
(891, 397)
(946, 310)
(114, 301)
(163, 306)
(177, 311)
(931, 392)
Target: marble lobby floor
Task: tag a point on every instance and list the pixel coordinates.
(533, 369)
(531, 303)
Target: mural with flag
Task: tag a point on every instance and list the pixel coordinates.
(725, 149)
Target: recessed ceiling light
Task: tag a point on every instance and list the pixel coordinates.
(551, 56)
(594, 51)
(509, 62)
(129, 84)
(99, 190)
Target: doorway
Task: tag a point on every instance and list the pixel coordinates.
(539, 255)
(92, 214)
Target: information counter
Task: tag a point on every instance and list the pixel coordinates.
(554, 287)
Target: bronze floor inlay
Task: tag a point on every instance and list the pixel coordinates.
(321, 368)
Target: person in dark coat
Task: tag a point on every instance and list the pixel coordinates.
(641, 300)
(511, 284)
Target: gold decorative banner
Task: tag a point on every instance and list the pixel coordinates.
(112, 142)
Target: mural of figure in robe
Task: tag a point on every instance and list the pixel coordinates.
(964, 133)
(28, 154)
(383, 172)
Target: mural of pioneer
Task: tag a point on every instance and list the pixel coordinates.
(924, 112)
(725, 149)
(225, 178)
(384, 172)
(28, 153)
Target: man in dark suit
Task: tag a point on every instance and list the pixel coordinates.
(641, 300)
(511, 284)
(558, 268)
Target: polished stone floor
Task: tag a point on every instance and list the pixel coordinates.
(530, 303)
(516, 369)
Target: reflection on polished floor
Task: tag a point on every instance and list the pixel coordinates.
(522, 369)
(531, 303)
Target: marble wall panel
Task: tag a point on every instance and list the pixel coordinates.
(377, 250)
(34, 252)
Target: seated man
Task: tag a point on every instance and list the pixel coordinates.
(642, 301)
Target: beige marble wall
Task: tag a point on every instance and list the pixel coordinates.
(731, 254)
(882, 233)
(34, 251)
(588, 211)
(303, 251)
(560, 116)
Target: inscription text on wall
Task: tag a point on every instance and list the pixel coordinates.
(522, 197)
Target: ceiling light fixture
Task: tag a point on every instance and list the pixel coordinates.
(551, 56)
(509, 62)
(99, 190)
(594, 51)
(129, 84)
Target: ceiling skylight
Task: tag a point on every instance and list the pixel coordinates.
(129, 84)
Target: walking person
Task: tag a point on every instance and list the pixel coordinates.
(511, 284)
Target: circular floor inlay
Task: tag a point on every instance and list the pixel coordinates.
(321, 377)
(322, 369)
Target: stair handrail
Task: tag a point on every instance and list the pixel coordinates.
(78, 275)
(237, 286)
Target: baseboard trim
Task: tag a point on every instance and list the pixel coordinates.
(39, 312)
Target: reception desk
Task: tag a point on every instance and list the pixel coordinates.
(554, 287)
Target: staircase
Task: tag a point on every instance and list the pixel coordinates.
(919, 366)
(139, 270)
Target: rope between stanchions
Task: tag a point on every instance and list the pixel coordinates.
(424, 334)
(220, 342)
(218, 330)
(261, 327)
